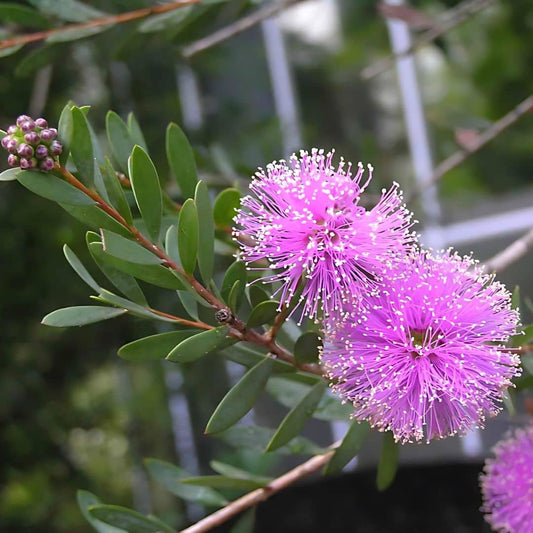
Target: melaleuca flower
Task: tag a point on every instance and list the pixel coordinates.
(31, 144)
(507, 484)
(424, 358)
(305, 218)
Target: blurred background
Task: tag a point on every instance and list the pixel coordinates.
(72, 414)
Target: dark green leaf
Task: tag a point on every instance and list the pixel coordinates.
(155, 346)
(257, 295)
(241, 398)
(80, 315)
(10, 50)
(234, 472)
(146, 189)
(52, 188)
(119, 139)
(195, 347)
(170, 477)
(94, 217)
(307, 348)
(264, 313)
(296, 419)
(115, 191)
(225, 208)
(236, 272)
(126, 249)
(388, 463)
(22, 15)
(87, 499)
(181, 160)
(64, 129)
(206, 232)
(135, 309)
(67, 10)
(515, 302)
(349, 447)
(127, 519)
(37, 59)
(171, 244)
(73, 34)
(163, 21)
(245, 356)
(82, 147)
(78, 267)
(136, 133)
(10, 174)
(224, 482)
(236, 295)
(188, 235)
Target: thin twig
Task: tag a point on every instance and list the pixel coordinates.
(95, 23)
(511, 254)
(481, 140)
(449, 20)
(259, 495)
(237, 27)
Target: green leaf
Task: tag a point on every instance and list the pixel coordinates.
(224, 482)
(236, 272)
(80, 315)
(155, 346)
(257, 295)
(171, 244)
(388, 463)
(241, 398)
(232, 471)
(22, 15)
(37, 59)
(225, 208)
(263, 313)
(64, 130)
(94, 217)
(10, 50)
(247, 357)
(115, 191)
(74, 34)
(135, 309)
(307, 348)
(236, 296)
(127, 519)
(136, 133)
(10, 174)
(87, 499)
(163, 21)
(181, 160)
(82, 147)
(119, 139)
(515, 302)
(78, 267)
(296, 419)
(67, 10)
(348, 448)
(52, 188)
(146, 189)
(206, 232)
(188, 235)
(126, 249)
(195, 347)
(155, 274)
(170, 477)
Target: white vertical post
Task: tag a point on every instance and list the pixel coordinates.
(190, 98)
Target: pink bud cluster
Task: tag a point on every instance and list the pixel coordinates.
(32, 144)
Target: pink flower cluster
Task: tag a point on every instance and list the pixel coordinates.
(414, 339)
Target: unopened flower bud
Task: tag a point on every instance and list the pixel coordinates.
(41, 151)
(56, 148)
(25, 150)
(48, 134)
(41, 123)
(28, 163)
(47, 163)
(13, 160)
(12, 145)
(22, 118)
(32, 138)
(27, 125)
(12, 129)
(5, 141)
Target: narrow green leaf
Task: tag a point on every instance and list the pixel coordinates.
(85, 500)
(80, 315)
(236, 296)
(52, 188)
(147, 190)
(22, 15)
(170, 477)
(127, 519)
(10, 174)
(188, 235)
(74, 34)
(225, 208)
(515, 302)
(37, 59)
(136, 133)
(126, 249)
(181, 160)
(241, 398)
(67, 10)
(263, 313)
(296, 419)
(94, 217)
(82, 147)
(10, 50)
(257, 295)
(155, 346)
(195, 347)
(247, 357)
(189, 303)
(78, 267)
(231, 471)
(164, 21)
(388, 463)
(143, 311)
(171, 244)
(348, 448)
(224, 482)
(115, 191)
(307, 348)
(206, 232)
(236, 272)
(64, 130)
(119, 139)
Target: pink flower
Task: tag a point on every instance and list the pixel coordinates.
(305, 219)
(425, 357)
(507, 484)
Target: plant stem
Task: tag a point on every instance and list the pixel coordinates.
(511, 254)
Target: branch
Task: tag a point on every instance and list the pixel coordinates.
(481, 140)
(95, 23)
(237, 27)
(511, 254)
(259, 495)
(450, 19)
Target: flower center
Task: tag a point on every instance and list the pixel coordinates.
(423, 342)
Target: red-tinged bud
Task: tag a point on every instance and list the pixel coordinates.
(46, 164)
(25, 150)
(56, 148)
(22, 118)
(28, 163)
(13, 160)
(12, 129)
(12, 146)
(41, 151)
(32, 138)
(41, 123)
(27, 126)
(48, 134)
